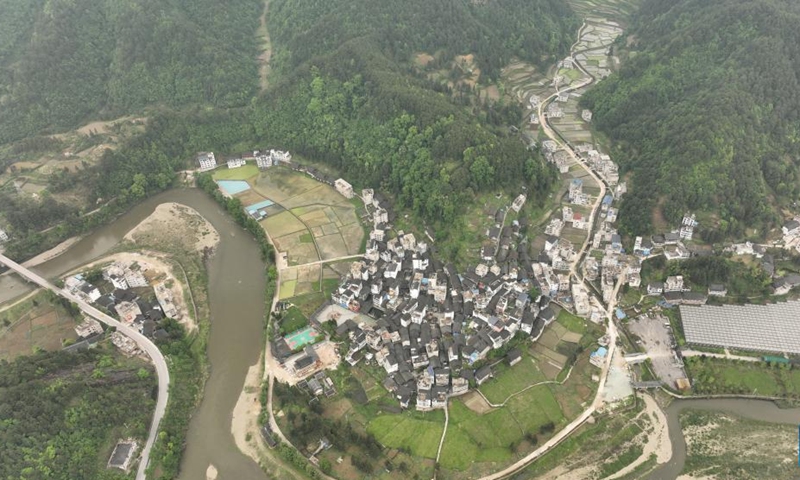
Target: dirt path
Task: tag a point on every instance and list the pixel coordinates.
(266, 54)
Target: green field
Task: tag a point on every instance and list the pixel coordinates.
(571, 322)
(404, 431)
(714, 375)
(40, 322)
(509, 380)
(293, 320)
(242, 173)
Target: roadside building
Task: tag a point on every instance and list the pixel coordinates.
(207, 161)
(88, 327)
(236, 163)
(344, 188)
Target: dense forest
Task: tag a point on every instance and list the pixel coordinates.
(350, 101)
(494, 31)
(706, 113)
(62, 413)
(346, 96)
(63, 62)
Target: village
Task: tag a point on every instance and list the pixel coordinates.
(134, 291)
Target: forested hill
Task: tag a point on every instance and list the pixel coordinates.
(347, 95)
(343, 91)
(63, 62)
(493, 30)
(707, 112)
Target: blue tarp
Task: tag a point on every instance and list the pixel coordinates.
(258, 206)
(232, 187)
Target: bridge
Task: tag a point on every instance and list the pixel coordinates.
(141, 341)
(649, 384)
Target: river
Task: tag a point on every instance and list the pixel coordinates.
(762, 410)
(236, 297)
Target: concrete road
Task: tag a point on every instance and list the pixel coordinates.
(141, 341)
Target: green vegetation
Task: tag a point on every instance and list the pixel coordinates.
(311, 29)
(509, 380)
(304, 425)
(64, 412)
(420, 437)
(348, 99)
(740, 279)
(716, 376)
(571, 322)
(752, 449)
(42, 322)
(705, 114)
(64, 62)
(603, 443)
(292, 320)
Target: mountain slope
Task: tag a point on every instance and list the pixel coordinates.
(705, 114)
(65, 61)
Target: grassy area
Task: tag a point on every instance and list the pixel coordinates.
(421, 437)
(592, 445)
(509, 380)
(241, 173)
(293, 320)
(715, 376)
(40, 322)
(306, 238)
(752, 449)
(571, 322)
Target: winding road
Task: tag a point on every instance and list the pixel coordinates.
(143, 342)
(612, 329)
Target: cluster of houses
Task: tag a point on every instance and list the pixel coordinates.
(318, 385)
(429, 325)
(559, 158)
(123, 300)
(3, 236)
(601, 163)
(208, 161)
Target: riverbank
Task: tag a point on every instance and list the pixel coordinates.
(244, 420)
(52, 253)
(173, 223)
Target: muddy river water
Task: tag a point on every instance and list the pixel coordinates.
(236, 296)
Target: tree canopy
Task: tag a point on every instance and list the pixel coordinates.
(63, 62)
(705, 113)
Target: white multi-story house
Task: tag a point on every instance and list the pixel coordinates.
(344, 188)
(263, 160)
(207, 160)
(280, 156)
(236, 163)
(687, 226)
(674, 284)
(135, 279)
(518, 203)
(367, 195)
